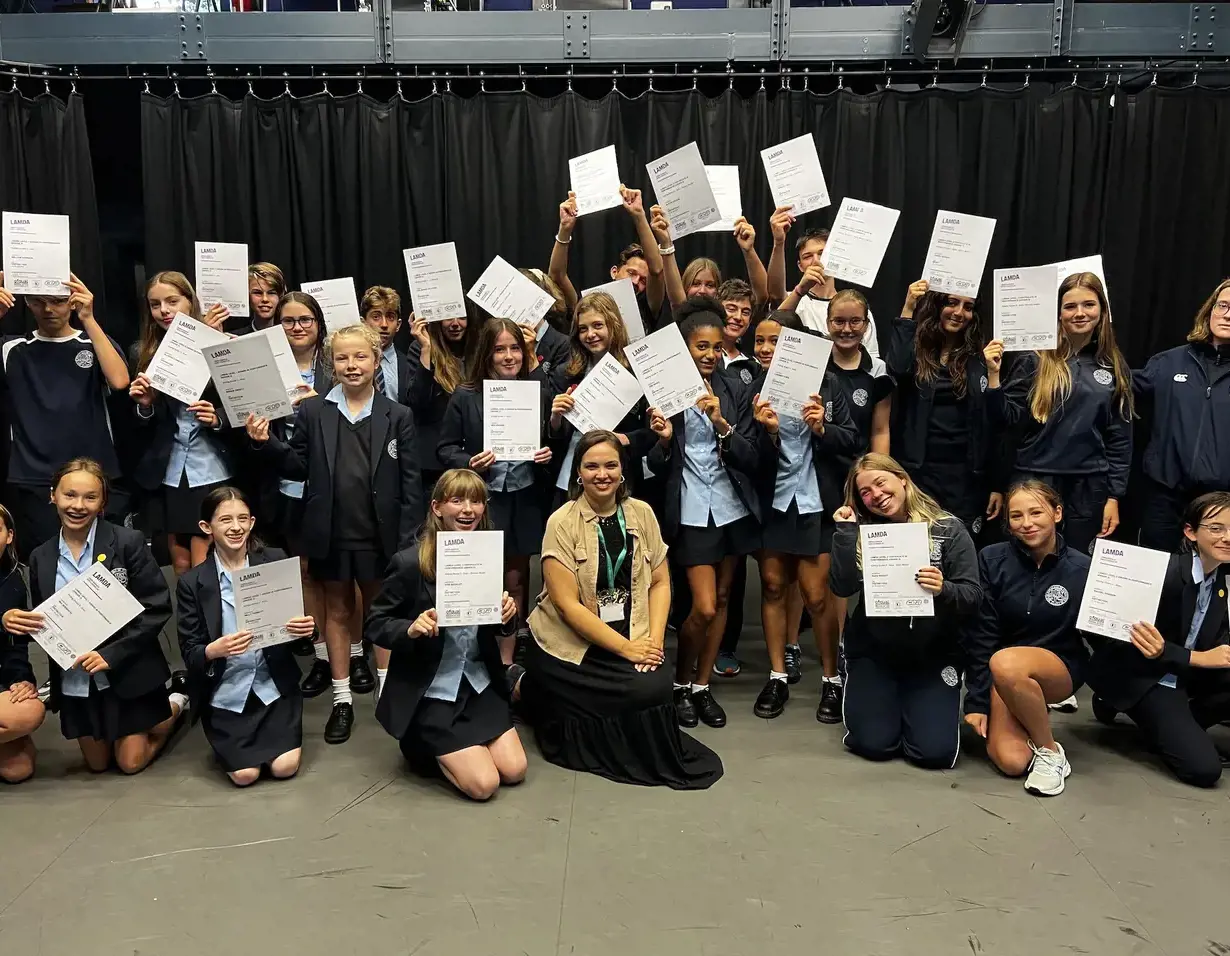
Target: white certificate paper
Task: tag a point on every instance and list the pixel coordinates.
(512, 419)
(88, 610)
(1124, 587)
(858, 240)
(36, 254)
(683, 190)
(892, 555)
(337, 301)
(1082, 264)
(266, 597)
(795, 176)
(435, 282)
(283, 360)
(222, 276)
(604, 396)
(469, 577)
(724, 180)
(178, 368)
(664, 367)
(624, 294)
(1025, 316)
(507, 294)
(595, 180)
(796, 372)
(247, 379)
(958, 253)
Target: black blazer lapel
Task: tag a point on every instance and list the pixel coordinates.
(209, 591)
(47, 569)
(329, 422)
(1215, 618)
(380, 430)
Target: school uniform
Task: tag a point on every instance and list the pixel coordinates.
(363, 495)
(712, 507)
(249, 704)
(903, 674)
(1171, 702)
(517, 490)
(1025, 605)
(443, 693)
(129, 697)
(554, 352)
(394, 373)
(863, 388)
(1084, 448)
(14, 648)
(55, 399)
(944, 440)
(813, 312)
(1187, 390)
(428, 400)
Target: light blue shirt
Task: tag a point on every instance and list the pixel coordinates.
(338, 398)
(76, 682)
(796, 476)
(192, 453)
(246, 672)
(565, 470)
(388, 364)
(510, 475)
(460, 659)
(294, 489)
(707, 489)
(1204, 598)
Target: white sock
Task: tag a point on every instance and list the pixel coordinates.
(699, 688)
(341, 692)
(321, 650)
(682, 686)
(180, 699)
(833, 680)
(778, 675)
(356, 648)
(381, 673)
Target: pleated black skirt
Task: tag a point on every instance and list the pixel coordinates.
(788, 532)
(441, 727)
(522, 517)
(177, 510)
(104, 715)
(604, 717)
(259, 735)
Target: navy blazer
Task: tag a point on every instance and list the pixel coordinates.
(198, 619)
(428, 400)
(14, 648)
(748, 454)
(1121, 675)
(397, 489)
(405, 595)
(406, 364)
(261, 478)
(461, 431)
(136, 664)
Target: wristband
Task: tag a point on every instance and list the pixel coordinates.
(730, 430)
(666, 250)
(562, 242)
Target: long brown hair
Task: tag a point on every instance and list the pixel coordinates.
(484, 348)
(8, 558)
(151, 331)
(604, 305)
(929, 341)
(454, 483)
(447, 367)
(1201, 331)
(1053, 381)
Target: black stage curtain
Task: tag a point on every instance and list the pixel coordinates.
(47, 168)
(330, 186)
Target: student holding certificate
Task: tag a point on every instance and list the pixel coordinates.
(266, 286)
(362, 501)
(114, 701)
(941, 430)
(447, 697)
(1069, 410)
(735, 298)
(248, 700)
(903, 674)
(182, 451)
(1187, 389)
(794, 553)
(1173, 678)
(380, 309)
(443, 350)
(596, 686)
(518, 489)
(1023, 650)
(710, 455)
(597, 330)
(21, 712)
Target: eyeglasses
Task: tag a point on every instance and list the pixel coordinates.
(305, 321)
(1216, 530)
(1221, 308)
(852, 324)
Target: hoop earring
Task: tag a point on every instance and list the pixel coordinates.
(578, 481)
(622, 479)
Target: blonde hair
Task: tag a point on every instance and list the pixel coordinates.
(377, 296)
(370, 337)
(919, 506)
(603, 305)
(151, 331)
(1052, 382)
(1201, 331)
(696, 267)
(454, 483)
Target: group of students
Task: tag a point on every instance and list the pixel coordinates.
(386, 450)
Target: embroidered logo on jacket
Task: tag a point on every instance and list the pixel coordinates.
(1180, 376)
(1056, 595)
(746, 376)
(982, 384)
(1103, 376)
(860, 397)
(392, 449)
(121, 575)
(828, 411)
(84, 359)
(937, 551)
(949, 674)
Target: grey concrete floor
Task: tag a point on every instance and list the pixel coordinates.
(801, 848)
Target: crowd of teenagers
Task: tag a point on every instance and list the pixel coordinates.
(1017, 464)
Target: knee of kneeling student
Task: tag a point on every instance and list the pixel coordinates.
(1204, 773)
(17, 769)
(514, 769)
(130, 761)
(871, 746)
(481, 786)
(1008, 760)
(1005, 668)
(287, 765)
(245, 777)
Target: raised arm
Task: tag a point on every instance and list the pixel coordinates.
(110, 359)
(558, 269)
(779, 224)
(675, 292)
(757, 278)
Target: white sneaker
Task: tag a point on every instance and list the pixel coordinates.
(1047, 771)
(1069, 706)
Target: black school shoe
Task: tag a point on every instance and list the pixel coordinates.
(362, 680)
(772, 699)
(1103, 713)
(319, 679)
(685, 710)
(339, 724)
(707, 709)
(303, 647)
(829, 711)
(794, 663)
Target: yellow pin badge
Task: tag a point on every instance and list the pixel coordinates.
(101, 558)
